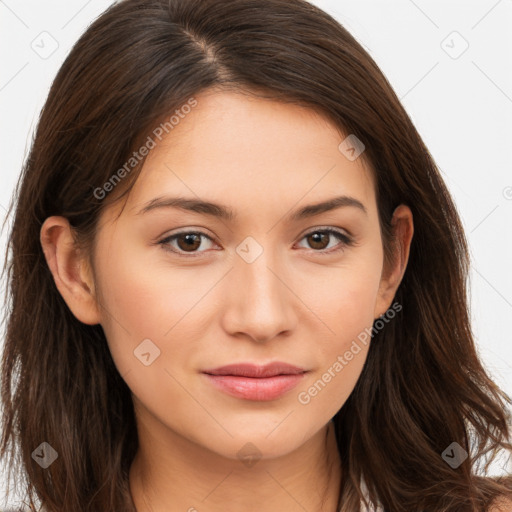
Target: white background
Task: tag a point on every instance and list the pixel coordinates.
(461, 106)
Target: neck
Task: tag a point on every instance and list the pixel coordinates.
(172, 474)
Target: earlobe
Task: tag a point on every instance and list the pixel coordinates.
(403, 227)
(70, 270)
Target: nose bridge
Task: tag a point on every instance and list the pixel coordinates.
(261, 303)
(256, 267)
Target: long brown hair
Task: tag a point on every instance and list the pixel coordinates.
(422, 387)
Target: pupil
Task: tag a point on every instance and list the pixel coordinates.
(189, 240)
(317, 239)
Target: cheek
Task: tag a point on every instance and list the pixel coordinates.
(328, 389)
(131, 302)
(142, 298)
(346, 302)
(346, 306)
(342, 355)
(152, 302)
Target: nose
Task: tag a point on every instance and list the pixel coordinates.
(260, 304)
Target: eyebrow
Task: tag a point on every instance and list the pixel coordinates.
(226, 213)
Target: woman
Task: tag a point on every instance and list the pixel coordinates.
(237, 280)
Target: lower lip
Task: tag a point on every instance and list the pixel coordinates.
(261, 389)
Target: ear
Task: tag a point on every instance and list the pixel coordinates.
(403, 228)
(71, 271)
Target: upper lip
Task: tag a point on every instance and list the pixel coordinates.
(256, 371)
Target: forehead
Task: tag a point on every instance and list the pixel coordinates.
(246, 151)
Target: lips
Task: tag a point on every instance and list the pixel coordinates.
(256, 371)
(255, 382)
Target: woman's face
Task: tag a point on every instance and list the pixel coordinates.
(267, 284)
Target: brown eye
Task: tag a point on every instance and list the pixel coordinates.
(320, 239)
(185, 242)
(188, 241)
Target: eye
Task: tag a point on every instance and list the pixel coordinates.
(187, 242)
(320, 239)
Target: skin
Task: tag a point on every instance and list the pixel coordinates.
(263, 159)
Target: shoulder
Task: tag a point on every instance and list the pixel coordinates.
(501, 504)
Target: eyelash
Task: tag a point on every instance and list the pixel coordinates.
(346, 241)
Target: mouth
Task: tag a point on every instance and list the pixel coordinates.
(255, 382)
